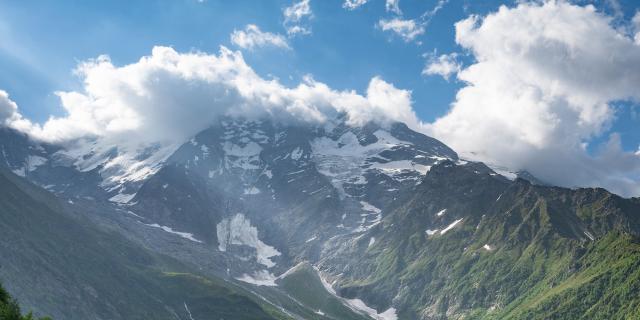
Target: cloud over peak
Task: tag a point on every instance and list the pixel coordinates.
(170, 96)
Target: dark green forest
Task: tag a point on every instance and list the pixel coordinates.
(10, 310)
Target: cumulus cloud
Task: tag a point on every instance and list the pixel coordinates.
(444, 65)
(296, 18)
(146, 109)
(408, 30)
(170, 96)
(538, 93)
(252, 37)
(10, 115)
(393, 6)
(8, 108)
(353, 4)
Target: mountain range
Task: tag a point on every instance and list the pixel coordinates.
(260, 219)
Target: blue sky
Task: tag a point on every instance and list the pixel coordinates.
(41, 42)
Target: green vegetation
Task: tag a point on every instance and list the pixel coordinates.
(606, 286)
(10, 310)
(551, 253)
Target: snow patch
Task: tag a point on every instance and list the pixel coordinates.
(239, 231)
(393, 168)
(259, 278)
(449, 227)
(389, 314)
(589, 235)
(186, 235)
(357, 304)
(213, 173)
(188, 311)
(369, 207)
(345, 160)
(371, 242)
(245, 157)
(33, 162)
(122, 198)
(290, 271)
(20, 172)
(134, 214)
(505, 173)
(370, 219)
(296, 154)
(205, 151)
(431, 232)
(441, 212)
(327, 286)
(119, 164)
(252, 190)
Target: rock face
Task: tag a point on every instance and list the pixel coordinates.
(392, 221)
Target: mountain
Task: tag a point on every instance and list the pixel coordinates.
(328, 221)
(59, 264)
(470, 243)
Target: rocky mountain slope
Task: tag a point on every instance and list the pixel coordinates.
(376, 221)
(58, 263)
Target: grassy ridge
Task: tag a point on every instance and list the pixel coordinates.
(551, 253)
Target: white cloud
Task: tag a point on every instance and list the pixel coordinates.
(152, 106)
(353, 4)
(616, 8)
(393, 6)
(170, 96)
(296, 18)
(10, 116)
(252, 37)
(444, 65)
(427, 16)
(8, 108)
(408, 30)
(636, 26)
(538, 92)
